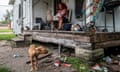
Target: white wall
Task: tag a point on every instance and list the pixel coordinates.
(39, 10)
(100, 20)
(117, 19)
(27, 14)
(16, 26)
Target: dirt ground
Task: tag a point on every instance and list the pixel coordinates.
(18, 64)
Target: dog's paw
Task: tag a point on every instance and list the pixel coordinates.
(36, 68)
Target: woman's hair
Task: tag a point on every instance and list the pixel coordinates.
(63, 6)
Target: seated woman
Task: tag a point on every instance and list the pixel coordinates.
(62, 15)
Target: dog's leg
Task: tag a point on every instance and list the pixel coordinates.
(32, 64)
(36, 63)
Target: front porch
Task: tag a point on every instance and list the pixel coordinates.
(87, 46)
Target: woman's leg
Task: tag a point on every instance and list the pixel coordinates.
(60, 22)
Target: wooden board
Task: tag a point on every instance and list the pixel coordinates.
(99, 39)
(107, 44)
(42, 56)
(104, 37)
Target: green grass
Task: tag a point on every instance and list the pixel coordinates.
(5, 30)
(4, 69)
(78, 64)
(7, 36)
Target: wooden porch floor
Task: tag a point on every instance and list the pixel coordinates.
(71, 39)
(86, 45)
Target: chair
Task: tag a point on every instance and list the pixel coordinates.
(69, 15)
(49, 26)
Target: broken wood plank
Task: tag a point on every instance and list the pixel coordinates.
(42, 57)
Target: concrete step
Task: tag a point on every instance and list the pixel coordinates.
(20, 36)
(17, 42)
(18, 39)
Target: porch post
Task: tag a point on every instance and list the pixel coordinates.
(30, 14)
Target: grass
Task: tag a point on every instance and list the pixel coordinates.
(5, 30)
(78, 64)
(4, 69)
(7, 36)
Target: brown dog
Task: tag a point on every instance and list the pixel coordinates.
(33, 54)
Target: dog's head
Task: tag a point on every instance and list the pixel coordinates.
(32, 46)
(41, 50)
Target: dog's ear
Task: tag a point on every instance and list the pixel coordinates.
(37, 48)
(32, 46)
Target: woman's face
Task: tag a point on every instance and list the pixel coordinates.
(60, 6)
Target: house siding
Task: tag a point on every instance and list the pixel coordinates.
(101, 21)
(117, 19)
(15, 25)
(39, 10)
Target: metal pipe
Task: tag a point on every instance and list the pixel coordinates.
(113, 19)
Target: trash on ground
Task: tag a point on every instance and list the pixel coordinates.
(57, 64)
(97, 67)
(17, 55)
(67, 65)
(105, 69)
(108, 59)
(63, 59)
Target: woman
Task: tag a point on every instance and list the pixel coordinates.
(61, 15)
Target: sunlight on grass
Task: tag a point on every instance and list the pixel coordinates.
(7, 36)
(5, 30)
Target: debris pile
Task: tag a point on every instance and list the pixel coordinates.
(109, 64)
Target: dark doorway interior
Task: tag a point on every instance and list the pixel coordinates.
(78, 8)
(55, 5)
(112, 51)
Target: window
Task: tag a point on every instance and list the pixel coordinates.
(78, 8)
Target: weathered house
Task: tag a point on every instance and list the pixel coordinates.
(28, 13)
(25, 12)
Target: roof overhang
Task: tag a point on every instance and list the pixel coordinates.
(11, 2)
